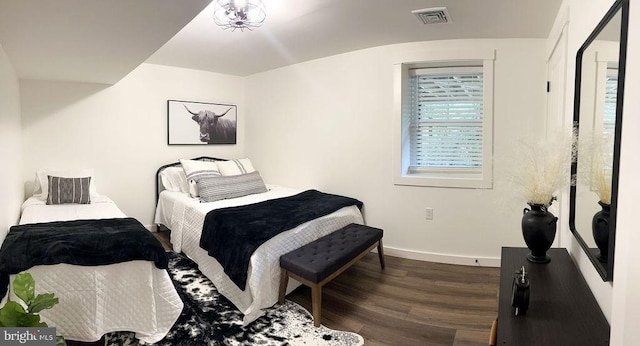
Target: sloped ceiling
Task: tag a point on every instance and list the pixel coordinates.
(97, 41)
(297, 30)
(103, 40)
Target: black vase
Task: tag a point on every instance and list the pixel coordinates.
(600, 227)
(539, 231)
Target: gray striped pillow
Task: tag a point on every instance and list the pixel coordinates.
(215, 188)
(68, 190)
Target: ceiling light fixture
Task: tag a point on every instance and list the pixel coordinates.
(239, 14)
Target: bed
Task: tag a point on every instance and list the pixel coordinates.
(93, 300)
(184, 216)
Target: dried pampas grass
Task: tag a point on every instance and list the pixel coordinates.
(541, 167)
(595, 164)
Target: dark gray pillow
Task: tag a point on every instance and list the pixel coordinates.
(215, 188)
(68, 190)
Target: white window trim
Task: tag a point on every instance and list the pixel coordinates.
(401, 175)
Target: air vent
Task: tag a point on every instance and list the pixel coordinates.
(436, 15)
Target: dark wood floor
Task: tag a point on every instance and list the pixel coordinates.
(408, 303)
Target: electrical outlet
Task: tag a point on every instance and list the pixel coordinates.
(429, 214)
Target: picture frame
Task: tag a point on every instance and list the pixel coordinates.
(201, 123)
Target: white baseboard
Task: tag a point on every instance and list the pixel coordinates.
(443, 258)
(423, 256)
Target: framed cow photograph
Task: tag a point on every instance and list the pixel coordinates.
(201, 123)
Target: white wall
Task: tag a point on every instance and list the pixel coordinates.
(120, 130)
(10, 146)
(583, 18)
(619, 299)
(327, 124)
(626, 284)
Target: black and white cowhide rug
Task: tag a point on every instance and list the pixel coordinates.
(208, 318)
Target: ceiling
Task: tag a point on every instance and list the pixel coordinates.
(97, 41)
(101, 41)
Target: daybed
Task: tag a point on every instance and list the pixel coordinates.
(134, 295)
(185, 216)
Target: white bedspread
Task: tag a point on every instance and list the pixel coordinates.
(35, 210)
(185, 217)
(94, 300)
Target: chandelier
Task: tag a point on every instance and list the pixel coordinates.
(239, 14)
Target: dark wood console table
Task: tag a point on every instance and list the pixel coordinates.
(562, 309)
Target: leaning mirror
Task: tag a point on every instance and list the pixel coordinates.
(600, 65)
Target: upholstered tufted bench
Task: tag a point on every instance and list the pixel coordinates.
(320, 261)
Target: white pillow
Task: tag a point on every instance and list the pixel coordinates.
(194, 169)
(41, 188)
(174, 179)
(235, 167)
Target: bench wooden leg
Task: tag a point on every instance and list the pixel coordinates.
(284, 281)
(381, 254)
(493, 335)
(316, 303)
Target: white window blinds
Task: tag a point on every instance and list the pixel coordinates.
(446, 126)
(609, 119)
(610, 98)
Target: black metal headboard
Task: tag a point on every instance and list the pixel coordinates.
(201, 158)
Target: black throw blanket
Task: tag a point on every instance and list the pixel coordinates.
(79, 242)
(231, 235)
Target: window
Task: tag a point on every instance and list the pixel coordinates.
(602, 127)
(445, 126)
(609, 119)
(610, 98)
(445, 130)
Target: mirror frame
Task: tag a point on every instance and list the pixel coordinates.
(605, 270)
